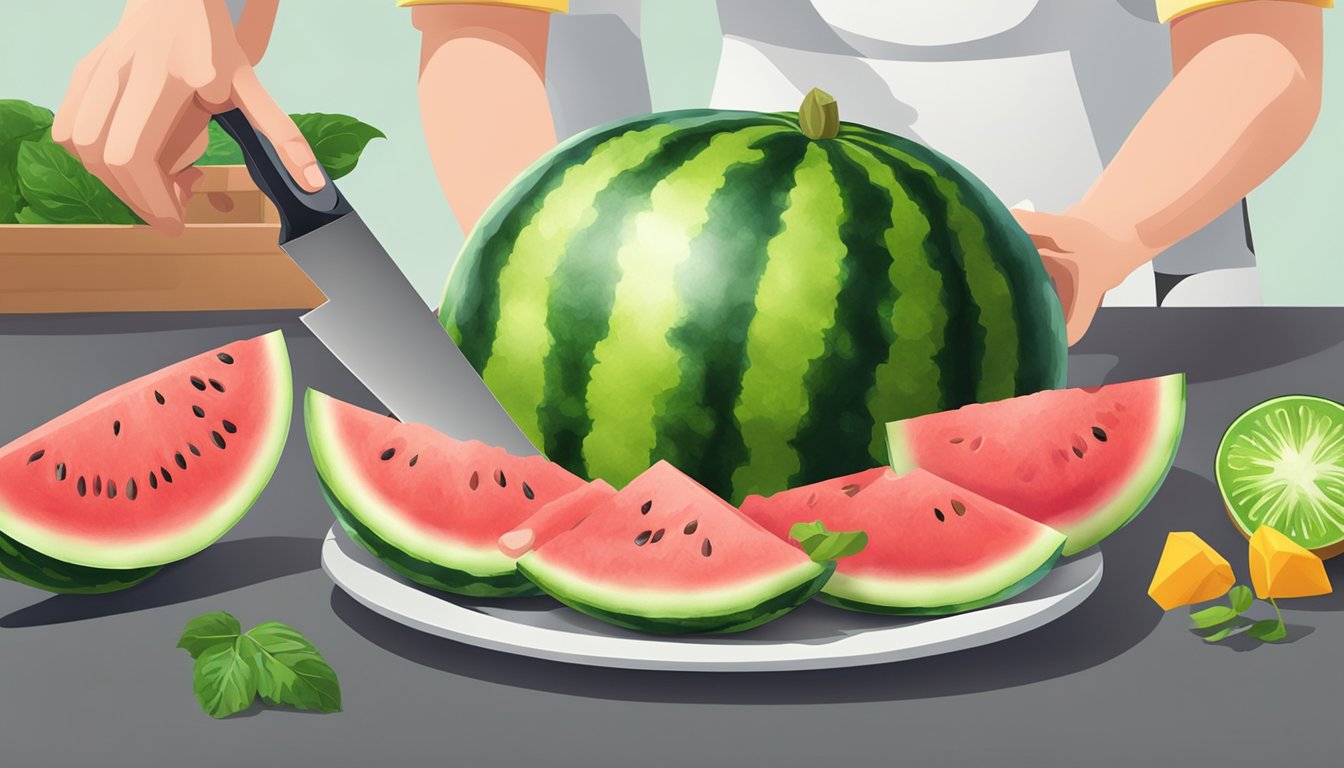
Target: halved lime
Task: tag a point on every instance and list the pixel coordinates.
(1282, 464)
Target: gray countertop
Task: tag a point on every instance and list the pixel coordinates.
(97, 681)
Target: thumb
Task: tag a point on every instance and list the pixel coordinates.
(297, 157)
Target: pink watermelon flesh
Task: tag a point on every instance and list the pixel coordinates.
(667, 555)
(555, 518)
(155, 469)
(1083, 461)
(427, 496)
(800, 502)
(933, 547)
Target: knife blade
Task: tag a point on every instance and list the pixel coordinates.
(374, 321)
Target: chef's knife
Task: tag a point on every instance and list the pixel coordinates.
(374, 321)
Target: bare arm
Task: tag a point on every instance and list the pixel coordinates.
(482, 99)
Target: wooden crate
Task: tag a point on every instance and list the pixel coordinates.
(226, 259)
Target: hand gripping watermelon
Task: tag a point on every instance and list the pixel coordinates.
(431, 507)
(147, 473)
(747, 296)
(665, 555)
(1082, 461)
(933, 548)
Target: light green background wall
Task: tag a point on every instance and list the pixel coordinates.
(362, 59)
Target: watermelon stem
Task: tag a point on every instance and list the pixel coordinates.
(819, 116)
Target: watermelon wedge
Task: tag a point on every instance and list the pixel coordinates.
(1082, 461)
(555, 518)
(147, 473)
(431, 507)
(933, 547)
(665, 555)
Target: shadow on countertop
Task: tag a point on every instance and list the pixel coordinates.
(121, 323)
(1114, 619)
(211, 572)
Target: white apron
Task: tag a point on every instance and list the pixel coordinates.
(595, 65)
(1033, 96)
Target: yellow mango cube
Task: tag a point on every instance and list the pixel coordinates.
(1280, 567)
(1189, 572)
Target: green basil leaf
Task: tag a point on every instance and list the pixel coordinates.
(337, 140)
(1212, 617)
(225, 681)
(1268, 631)
(29, 216)
(1219, 635)
(822, 545)
(1241, 598)
(57, 187)
(205, 632)
(222, 149)
(20, 121)
(291, 671)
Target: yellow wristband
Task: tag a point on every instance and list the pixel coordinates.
(1170, 9)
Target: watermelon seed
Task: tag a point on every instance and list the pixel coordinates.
(812, 500)
(229, 427)
(194, 450)
(199, 411)
(475, 480)
(644, 510)
(938, 513)
(958, 507)
(388, 454)
(658, 534)
(1099, 433)
(167, 478)
(690, 527)
(60, 471)
(1078, 452)
(414, 459)
(643, 538)
(36, 456)
(180, 459)
(850, 490)
(158, 396)
(80, 486)
(218, 438)
(975, 444)
(116, 428)
(527, 491)
(153, 480)
(706, 548)
(111, 490)
(218, 387)
(130, 489)
(956, 440)
(197, 383)
(499, 478)
(97, 485)
(225, 358)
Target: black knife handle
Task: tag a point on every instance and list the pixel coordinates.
(301, 211)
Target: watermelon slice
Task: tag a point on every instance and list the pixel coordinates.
(933, 547)
(555, 518)
(431, 507)
(1082, 461)
(147, 473)
(800, 504)
(666, 555)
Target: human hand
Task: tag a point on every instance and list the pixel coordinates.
(138, 105)
(1084, 261)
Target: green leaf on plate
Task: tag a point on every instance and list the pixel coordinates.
(1241, 598)
(337, 140)
(1212, 617)
(58, 188)
(20, 121)
(1268, 631)
(822, 545)
(291, 671)
(222, 149)
(225, 680)
(204, 632)
(1219, 635)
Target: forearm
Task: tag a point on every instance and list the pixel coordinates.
(483, 100)
(1244, 98)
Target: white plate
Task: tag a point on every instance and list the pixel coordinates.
(815, 636)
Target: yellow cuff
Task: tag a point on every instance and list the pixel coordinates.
(1170, 9)
(550, 6)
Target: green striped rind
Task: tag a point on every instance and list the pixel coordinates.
(943, 597)
(433, 561)
(28, 566)
(691, 612)
(745, 302)
(424, 572)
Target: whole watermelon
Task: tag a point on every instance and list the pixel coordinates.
(748, 296)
